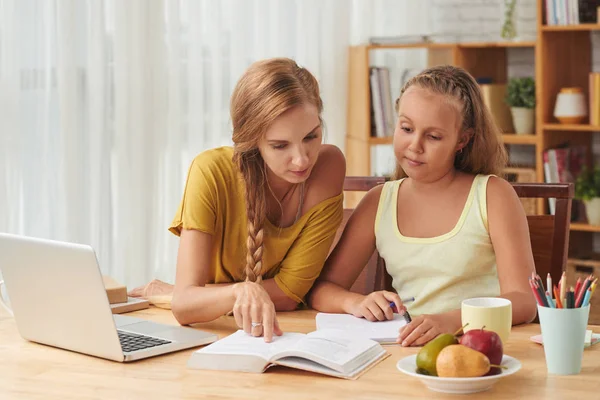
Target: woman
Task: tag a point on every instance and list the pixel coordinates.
(257, 220)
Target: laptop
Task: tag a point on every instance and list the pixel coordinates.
(58, 299)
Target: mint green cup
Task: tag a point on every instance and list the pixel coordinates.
(563, 334)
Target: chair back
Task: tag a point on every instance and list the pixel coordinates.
(364, 284)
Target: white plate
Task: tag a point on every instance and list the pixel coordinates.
(408, 365)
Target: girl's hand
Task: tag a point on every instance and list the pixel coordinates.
(376, 306)
(254, 311)
(424, 328)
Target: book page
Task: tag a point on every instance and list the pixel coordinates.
(240, 343)
(380, 331)
(333, 348)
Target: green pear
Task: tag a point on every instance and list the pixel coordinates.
(427, 357)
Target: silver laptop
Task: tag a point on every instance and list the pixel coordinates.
(58, 298)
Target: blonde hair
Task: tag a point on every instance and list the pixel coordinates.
(267, 89)
(484, 153)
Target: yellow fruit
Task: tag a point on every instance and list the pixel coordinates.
(459, 361)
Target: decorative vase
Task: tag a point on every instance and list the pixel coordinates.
(523, 120)
(508, 27)
(570, 107)
(592, 210)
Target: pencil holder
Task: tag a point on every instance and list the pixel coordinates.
(563, 334)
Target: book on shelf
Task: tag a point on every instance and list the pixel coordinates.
(332, 352)
(382, 109)
(563, 165)
(571, 12)
(384, 332)
(568, 12)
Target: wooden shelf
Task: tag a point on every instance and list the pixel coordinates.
(585, 227)
(571, 127)
(497, 44)
(567, 28)
(508, 138)
(424, 45)
(470, 45)
(381, 140)
(512, 138)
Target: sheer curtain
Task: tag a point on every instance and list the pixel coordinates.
(104, 103)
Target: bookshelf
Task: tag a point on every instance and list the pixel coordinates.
(571, 44)
(481, 59)
(563, 58)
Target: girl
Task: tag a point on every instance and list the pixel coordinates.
(448, 229)
(257, 220)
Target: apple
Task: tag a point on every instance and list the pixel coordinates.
(486, 342)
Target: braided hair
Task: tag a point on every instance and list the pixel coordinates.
(266, 90)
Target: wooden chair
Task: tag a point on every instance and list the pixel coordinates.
(549, 234)
(364, 284)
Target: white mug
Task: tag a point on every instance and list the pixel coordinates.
(3, 300)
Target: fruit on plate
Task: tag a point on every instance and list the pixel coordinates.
(427, 356)
(459, 361)
(486, 342)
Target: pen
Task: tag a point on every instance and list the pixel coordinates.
(406, 314)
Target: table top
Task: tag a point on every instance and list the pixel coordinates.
(30, 370)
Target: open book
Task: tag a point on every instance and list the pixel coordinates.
(384, 332)
(329, 351)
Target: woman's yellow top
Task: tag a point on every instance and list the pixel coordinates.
(214, 202)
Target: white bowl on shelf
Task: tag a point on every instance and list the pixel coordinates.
(408, 365)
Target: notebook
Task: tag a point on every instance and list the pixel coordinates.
(590, 338)
(328, 351)
(384, 332)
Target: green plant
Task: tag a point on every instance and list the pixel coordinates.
(521, 93)
(508, 28)
(587, 184)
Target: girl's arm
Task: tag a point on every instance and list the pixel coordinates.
(509, 232)
(331, 291)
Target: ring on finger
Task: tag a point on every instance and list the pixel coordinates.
(255, 324)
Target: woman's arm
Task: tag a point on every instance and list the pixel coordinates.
(509, 232)
(331, 291)
(194, 300)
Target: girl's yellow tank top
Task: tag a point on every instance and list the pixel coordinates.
(440, 271)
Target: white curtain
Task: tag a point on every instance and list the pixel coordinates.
(103, 104)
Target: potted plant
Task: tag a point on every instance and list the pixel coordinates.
(521, 99)
(587, 189)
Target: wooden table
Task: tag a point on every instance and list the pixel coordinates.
(32, 371)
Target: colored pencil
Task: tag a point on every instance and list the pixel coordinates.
(577, 287)
(536, 294)
(556, 295)
(586, 299)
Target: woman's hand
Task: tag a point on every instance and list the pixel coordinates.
(426, 327)
(154, 288)
(254, 311)
(376, 306)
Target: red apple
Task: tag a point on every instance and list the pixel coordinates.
(486, 342)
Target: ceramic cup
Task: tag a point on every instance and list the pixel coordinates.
(493, 313)
(563, 334)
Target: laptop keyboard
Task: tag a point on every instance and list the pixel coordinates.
(134, 341)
